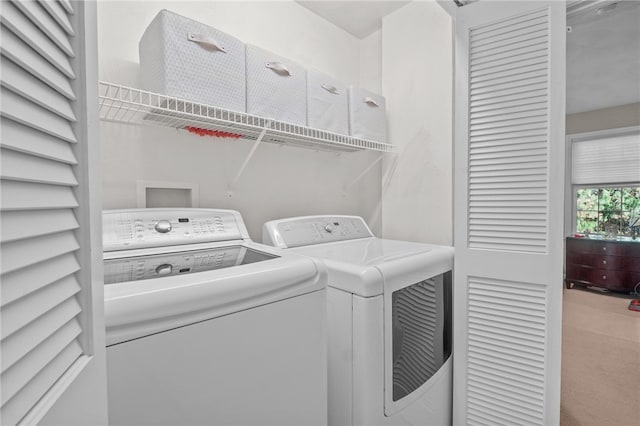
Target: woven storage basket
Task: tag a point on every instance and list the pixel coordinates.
(327, 103)
(367, 118)
(187, 59)
(276, 87)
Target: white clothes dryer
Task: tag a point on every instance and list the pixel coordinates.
(205, 327)
(389, 316)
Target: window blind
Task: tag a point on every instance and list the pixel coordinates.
(611, 159)
(40, 288)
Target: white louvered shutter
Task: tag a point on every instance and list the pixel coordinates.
(509, 180)
(47, 311)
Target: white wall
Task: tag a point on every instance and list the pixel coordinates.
(370, 76)
(279, 181)
(602, 119)
(417, 80)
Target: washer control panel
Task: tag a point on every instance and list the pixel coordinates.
(310, 230)
(141, 228)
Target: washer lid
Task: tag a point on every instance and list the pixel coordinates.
(138, 308)
(168, 264)
(362, 266)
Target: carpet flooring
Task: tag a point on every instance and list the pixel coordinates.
(600, 360)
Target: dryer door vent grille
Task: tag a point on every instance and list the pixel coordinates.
(421, 333)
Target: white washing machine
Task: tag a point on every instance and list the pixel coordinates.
(389, 316)
(205, 327)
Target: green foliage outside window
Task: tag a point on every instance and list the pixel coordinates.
(599, 208)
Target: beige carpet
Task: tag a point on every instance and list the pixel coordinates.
(600, 360)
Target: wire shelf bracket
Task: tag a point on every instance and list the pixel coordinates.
(364, 172)
(247, 159)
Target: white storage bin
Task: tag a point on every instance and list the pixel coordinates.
(327, 103)
(276, 87)
(186, 59)
(367, 118)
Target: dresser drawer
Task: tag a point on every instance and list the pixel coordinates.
(634, 264)
(633, 249)
(622, 280)
(596, 247)
(596, 260)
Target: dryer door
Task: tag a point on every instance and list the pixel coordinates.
(421, 337)
(417, 328)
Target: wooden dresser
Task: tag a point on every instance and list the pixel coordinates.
(614, 265)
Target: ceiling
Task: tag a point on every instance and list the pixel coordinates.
(603, 58)
(359, 18)
(603, 48)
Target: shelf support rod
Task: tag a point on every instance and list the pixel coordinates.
(248, 158)
(386, 178)
(364, 172)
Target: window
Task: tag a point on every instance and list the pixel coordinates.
(605, 179)
(608, 210)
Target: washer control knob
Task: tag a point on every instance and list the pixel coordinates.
(164, 269)
(329, 228)
(163, 226)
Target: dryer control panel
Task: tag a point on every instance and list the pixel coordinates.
(308, 230)
(141, 228)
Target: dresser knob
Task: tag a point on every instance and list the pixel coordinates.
(604, 249)
(604, 277)
(604, 262)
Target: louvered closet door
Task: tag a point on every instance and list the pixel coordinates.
(509, 180)
(46, 288)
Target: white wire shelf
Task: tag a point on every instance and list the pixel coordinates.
(129, 105)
